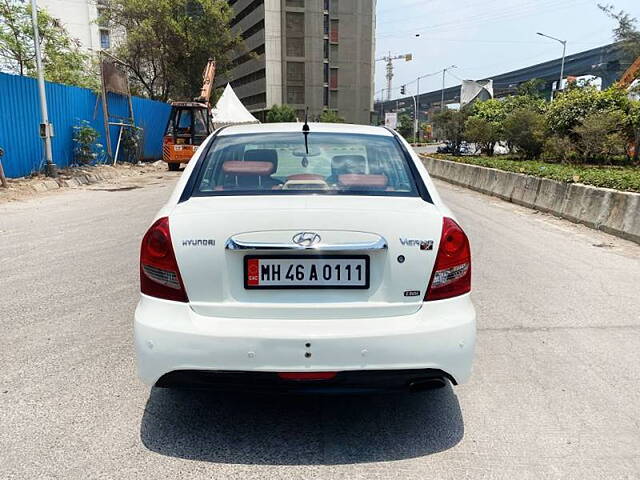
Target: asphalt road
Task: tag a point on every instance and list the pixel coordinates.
(554, 392)
(428, 148)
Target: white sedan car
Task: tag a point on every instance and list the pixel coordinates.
(305, 258)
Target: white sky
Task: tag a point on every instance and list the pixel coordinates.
(484, 37)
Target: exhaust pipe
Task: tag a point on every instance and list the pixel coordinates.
(426, 384)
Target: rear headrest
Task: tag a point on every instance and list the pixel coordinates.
(238, 168)
(341, 164)
(262, 155)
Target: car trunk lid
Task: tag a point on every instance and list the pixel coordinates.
(399, 235)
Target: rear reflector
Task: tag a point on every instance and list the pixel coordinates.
(452, 271)
(307, 375)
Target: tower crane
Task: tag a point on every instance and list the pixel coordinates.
(389, 59)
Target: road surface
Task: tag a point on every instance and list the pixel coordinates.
(428, 148)
(554, 392)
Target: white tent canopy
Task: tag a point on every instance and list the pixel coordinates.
(230, 111)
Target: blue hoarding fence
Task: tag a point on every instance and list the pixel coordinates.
(68, 106)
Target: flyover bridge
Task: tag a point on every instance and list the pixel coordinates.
(606, 62)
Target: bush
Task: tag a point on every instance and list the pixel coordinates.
(131, 144)
(620, 178)
(634, 121)
(602, 136)
(331, 116)
(559, 149)
(281, 113)
(525, 130)
(571, 107)
(86, 149)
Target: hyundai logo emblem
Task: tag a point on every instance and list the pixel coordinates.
(306, 239)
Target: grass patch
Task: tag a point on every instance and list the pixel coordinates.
(625, 178)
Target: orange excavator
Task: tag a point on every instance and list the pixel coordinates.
(189, 123)
(630, 74)
(626, 81)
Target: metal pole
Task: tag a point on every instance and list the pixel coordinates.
(389, 76)
(417, 120)
(3, 179)
(564, 52)
(444, 71)
(105, 109)
(50, 167)
(115, 157)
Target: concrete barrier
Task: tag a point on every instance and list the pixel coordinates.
(612, 211)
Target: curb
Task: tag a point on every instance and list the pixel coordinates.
(77, 180)
(81, 177)
(605, 209)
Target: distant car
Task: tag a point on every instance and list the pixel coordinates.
(465, 148)
(305, 261)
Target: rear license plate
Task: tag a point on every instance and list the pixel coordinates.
(305, 271)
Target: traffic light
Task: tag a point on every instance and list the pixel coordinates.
(403, 89)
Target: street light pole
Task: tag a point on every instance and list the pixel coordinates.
(564, 53)
(444, 72)
(45, 126)
(416, 103)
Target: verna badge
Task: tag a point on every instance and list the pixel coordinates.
(306, 239)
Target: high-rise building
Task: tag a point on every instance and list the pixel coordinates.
(80, 19)
(305, 53)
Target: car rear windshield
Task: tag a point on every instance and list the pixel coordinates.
(281, 163)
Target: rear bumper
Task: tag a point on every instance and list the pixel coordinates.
(357, 381)
(436, 341)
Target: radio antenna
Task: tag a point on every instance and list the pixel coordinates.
(305, 130)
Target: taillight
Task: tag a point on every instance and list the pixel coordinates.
(452, 271)
(168, 140)
(159, 273)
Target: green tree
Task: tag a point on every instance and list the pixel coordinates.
(625, 31)
(484, 126)
(492, 110)
(532, 88)
(483, 133)
(331, 116)
(281, 113)
(405, 125)
(524, 129)
(449, 125)
(168, 42)
(524, 102)
(62, 60)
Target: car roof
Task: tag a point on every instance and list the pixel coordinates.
(297, 127)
